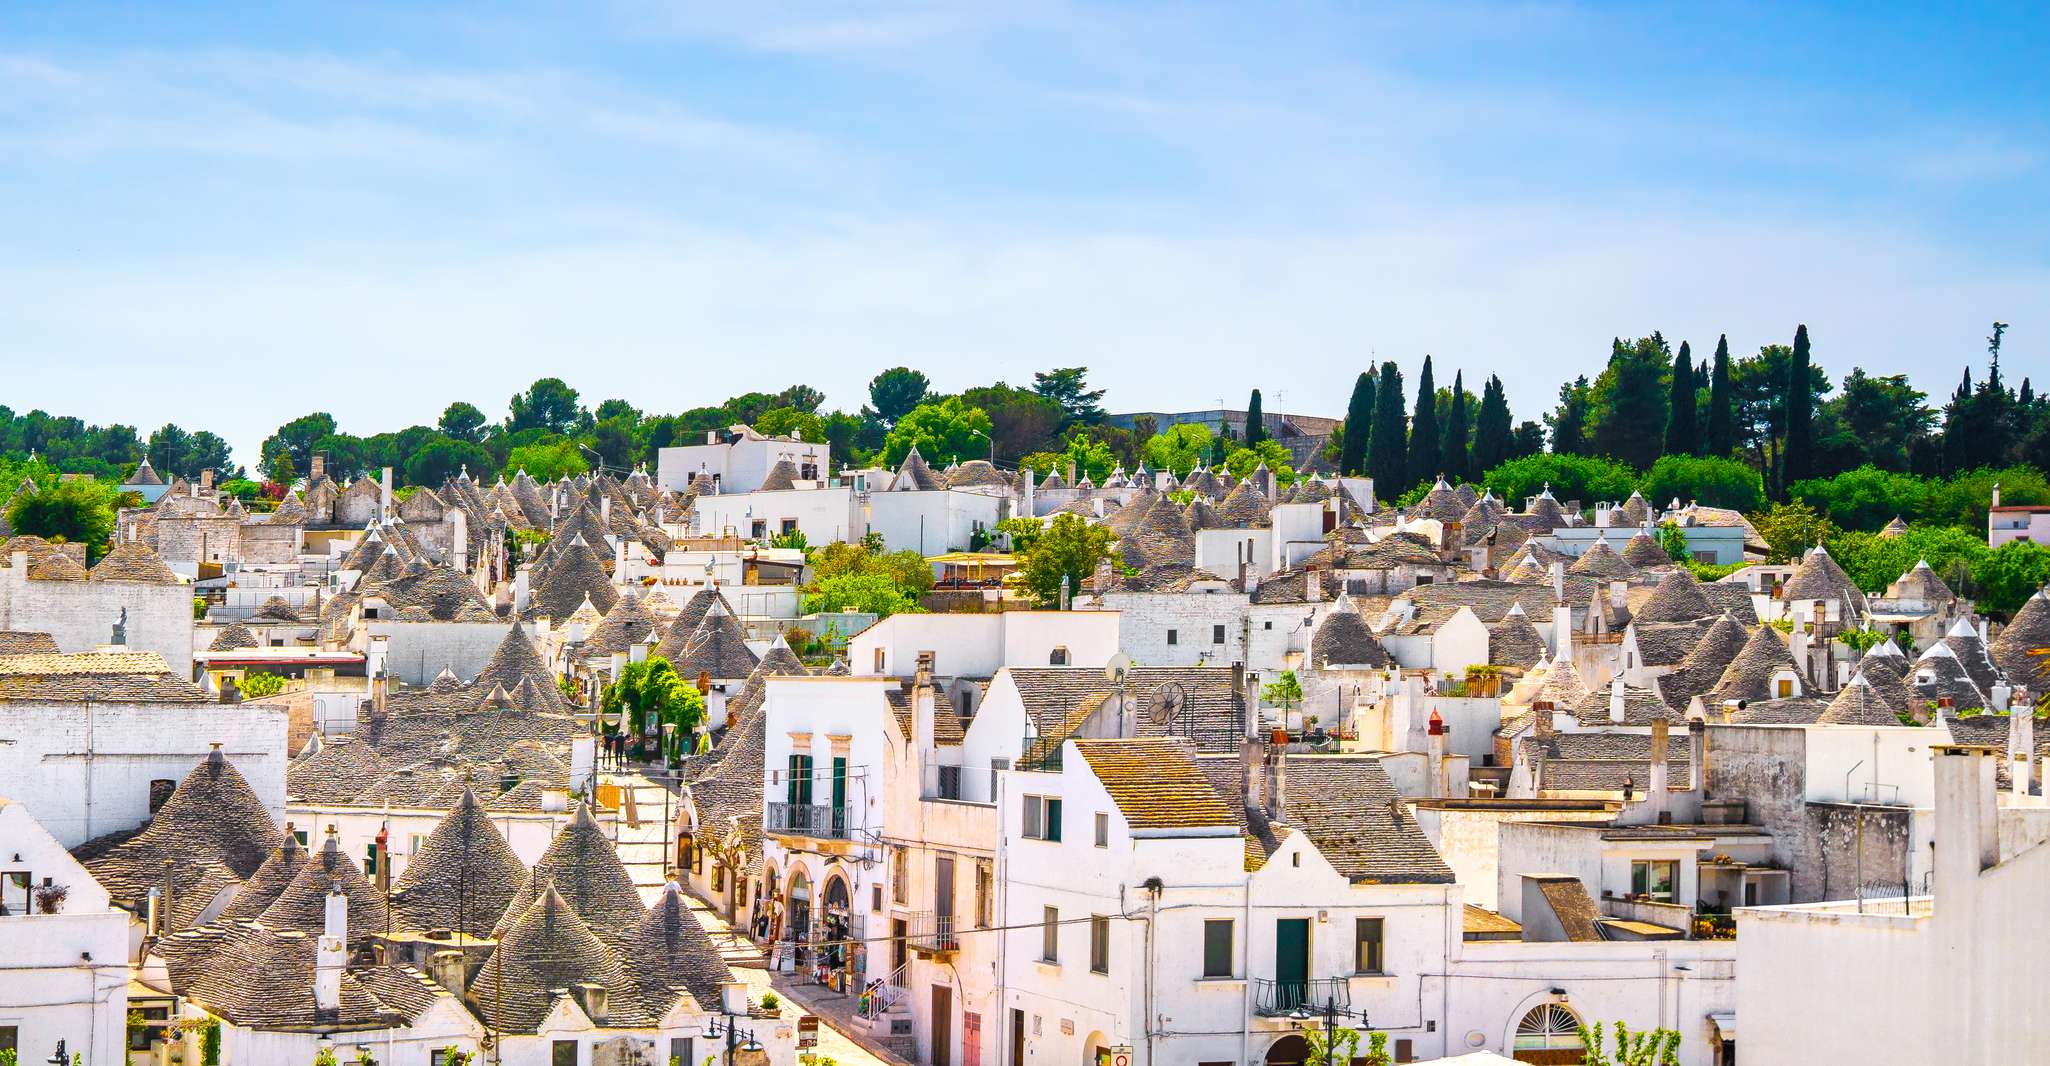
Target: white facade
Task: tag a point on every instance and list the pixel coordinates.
(63, 975)
(81, 615)
(738, 465)
(824, 515)
(933, 522)
(978, 645)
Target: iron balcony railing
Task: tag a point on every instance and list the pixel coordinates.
(820, 820)
(932, 931)
(1278, 999)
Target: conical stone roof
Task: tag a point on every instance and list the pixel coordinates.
(462, 878)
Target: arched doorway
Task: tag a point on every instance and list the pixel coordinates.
(1549, 1033)
(1096, 1050)
(1290, 1050)
(797, 915)
(835, 930)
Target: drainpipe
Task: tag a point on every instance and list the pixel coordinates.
(1246, 974)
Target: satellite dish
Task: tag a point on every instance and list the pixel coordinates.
(1167, 702)
(1115, 670)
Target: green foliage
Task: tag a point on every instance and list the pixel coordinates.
(210, 1042)
(258, 684)
(1963, 500)
(1388, 451)
(1493, 434)
(546, 460)
(1866, 498)
(1627, 404)
(1874, 562)
(443, 457)
(462, 421)
(548, 404)
(1178, 447)
(1657, 1047)
(2010, 574)
(1571, 477)
(1024, 532)
(1719, 434)
(873, 593)
(1712, 571)
(455, 1056)
(325, 1057)
(894, 393)
(76, 510)
(944, 432)
(1068, 388)
(1070, 548)
(1358, 426)
(176, 453)
(653, 687)
(1425, 460)
(1285, 692)
(1673, 541)
(1338, 1045)
(1256, 419)
(1245, 460)
(803, 425)
(1683, 435)
(1861, 640)
(1790, 529)
(294, 442)
(1715, 482)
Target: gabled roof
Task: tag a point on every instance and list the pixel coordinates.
(1349, 808)
(1155, 783)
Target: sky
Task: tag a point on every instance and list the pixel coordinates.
(229, 217)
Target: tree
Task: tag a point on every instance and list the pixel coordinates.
(295, 439)
(1359, 426)
(549, 404)
(1285, 692)
(1021, 420)
(1658, 1047)
(1674, 540)
(650, 693)
(1069, 390)
(260, 683)
(613, 440)
(444, 457)
(546, 460)
(871, 593)
(1800, 401)
(1866, 498)
(948, 431)
(1529, 439)
(1244, 461)
(167, 450)
(1627, 405)
(1492, 432)
(1256, 420)
(1388, 452)
(1178, 447)
(1758, 385)
(1091, 458)
(893, 394)
(616, 409)
(1065, 554)
(1453, 450)
(2010, 574)
(1569, 420)
(462, 421)
(1570, 477)
(1683, 436)
(1425, 462)
(1790, 529)
(1877, 421)
(803, 425)
(75, 510)
(1720, 436)
(1700, 479)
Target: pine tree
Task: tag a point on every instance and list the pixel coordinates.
(1800, 405)
(1388, 452)
(1256, 421)
(1569, 422)
(1722, 420)
(1683, 437)
(1454, 447)
(1491, 429)
(1359, 426)
(1425, 463)
(1959, 451)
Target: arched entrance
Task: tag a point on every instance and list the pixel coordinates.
(835, 929)
(1096, 1050)
(797, 914)
(1549, 1033)
(1290, 1050)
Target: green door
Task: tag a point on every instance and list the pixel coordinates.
(1291, 962)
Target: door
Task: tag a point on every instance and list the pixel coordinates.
(971, 1038)
(1291, 962)
(898, 934)
(943, 903)
(1017, 1038)
(839, 796)
(942, 1025)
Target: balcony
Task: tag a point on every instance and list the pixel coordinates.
(932, 933)
(820, 821)
(1279, 999)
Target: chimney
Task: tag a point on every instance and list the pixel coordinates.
(922, 709)
(1541, 718)
(1239, 697)
(384, 494)
(1618, 706)
(1967, 822)
(1434, 746)
(1697, 751)
(318, 469)
(2021, 741)
(1562, 633)
(605, 511)
(446, 967)
(1277, 774)
(733, 998)
(594, 998)
(1660, 774)
(1027, 507)
(522, 579)
(1996, 494)
(619, 560)
(380, 693)
(332, 954)
(206, 480)
(1559, 581)
(1313, 585)
(1619, 594)
(459, 540)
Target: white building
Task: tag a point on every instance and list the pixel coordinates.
(63, 949)
(738, 459)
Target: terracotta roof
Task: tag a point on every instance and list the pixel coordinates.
(1155, 783)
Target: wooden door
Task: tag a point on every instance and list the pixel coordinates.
(1291, 962)
(942, 1025)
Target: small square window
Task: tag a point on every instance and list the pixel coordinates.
(1042, 818)
(1099, 944)
(1217, 947)
(1102, 829)
(1267, 625)
(1173, 638)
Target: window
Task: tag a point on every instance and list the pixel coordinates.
(1267, 625)
(10, 1038)
(789, 525)
(370, 860)
(1217, 947)
(1042, 818)
(797, 787)
(1099, 944)
(1217, 634)
(900, 881)
(1050, 935)
(1654, 879)
(140, 1037)
(1548, 1027)
(564, 1053)
(880, 658)
(1173, 638)
(757, 530)
(300, 836)
(984, 880)
(876, 897)
(996, 766)
(1784, 687)
(1366, 951)
(718, 877)
(950, 782)
(680, 1049)
(1059, 656)
(1103, 829)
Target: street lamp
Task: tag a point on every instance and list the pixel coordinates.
(742, 1049)
(992, 444)
(1332, 1012)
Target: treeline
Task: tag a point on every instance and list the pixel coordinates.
(67, 445)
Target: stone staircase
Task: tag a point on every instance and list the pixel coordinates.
(640, 832)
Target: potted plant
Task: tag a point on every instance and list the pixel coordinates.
(50, 897)
(772, 1005)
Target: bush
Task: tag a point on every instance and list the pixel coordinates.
(1571, 477)
(79, 510)
(1709, 481)
(1963, 500)
(1790, 529)
(2010, 574)
(1874, 562)
(258, 684)
(873, 593)
(1866, 498)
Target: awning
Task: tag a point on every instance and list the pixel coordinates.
(1725, 1023)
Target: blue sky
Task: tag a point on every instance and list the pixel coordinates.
(227, 218)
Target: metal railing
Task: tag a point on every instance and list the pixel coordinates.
(824, 821)
(932, 931)
(887, 994)
(1278, 999)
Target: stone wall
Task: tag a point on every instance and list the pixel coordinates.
(80, 615)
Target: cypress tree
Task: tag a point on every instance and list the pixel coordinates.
(1491, 429)
(1359, 426)
(1683, 437)
(1256, 421)
(1800, 401)
(1424, 461)
(1721, 435)
(1388, 452)
(1454, 447)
